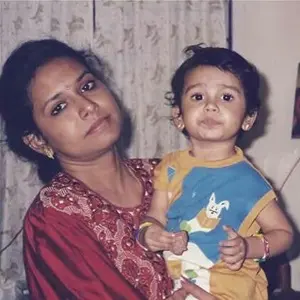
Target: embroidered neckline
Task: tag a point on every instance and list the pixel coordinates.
(136, 166)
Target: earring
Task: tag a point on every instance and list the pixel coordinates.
(246, 127)
(48, 152)
(180, 126)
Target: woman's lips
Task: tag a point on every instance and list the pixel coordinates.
(97, 125)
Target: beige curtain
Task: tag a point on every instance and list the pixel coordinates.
(142, 41)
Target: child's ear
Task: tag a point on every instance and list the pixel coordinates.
(249, 121)
(38, 144)
(177, 118)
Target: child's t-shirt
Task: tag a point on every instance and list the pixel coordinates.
(204, 196)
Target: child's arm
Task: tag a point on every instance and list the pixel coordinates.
(159, 206)
(154, 237)
(276, 229)
(277, 232)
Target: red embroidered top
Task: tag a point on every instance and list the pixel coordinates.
(77, 245)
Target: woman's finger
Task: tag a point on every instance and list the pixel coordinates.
(196, 291)
(178, 295)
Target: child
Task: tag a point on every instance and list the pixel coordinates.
(211, 191)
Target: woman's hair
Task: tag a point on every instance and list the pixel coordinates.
(15, 104)
(225, 60)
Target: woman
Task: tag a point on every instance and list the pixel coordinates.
(60, 113)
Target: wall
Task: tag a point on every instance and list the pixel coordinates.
(268, 34)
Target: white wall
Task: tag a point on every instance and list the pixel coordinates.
(268, 34)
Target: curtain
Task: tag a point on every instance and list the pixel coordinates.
(142, 41)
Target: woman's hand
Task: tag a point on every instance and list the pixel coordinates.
(191, 289)
(233, 251)
(180, 294)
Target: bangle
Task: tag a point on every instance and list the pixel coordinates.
(266, 248)
(145, 224)
(140, 232)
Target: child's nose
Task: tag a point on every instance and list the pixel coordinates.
(211, 107)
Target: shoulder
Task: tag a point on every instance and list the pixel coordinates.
(254, 173)
(244, 176)
(172, 158)
(63, 194)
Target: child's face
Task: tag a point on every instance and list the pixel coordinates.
(213, 105)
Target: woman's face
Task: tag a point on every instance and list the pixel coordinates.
(76, 113)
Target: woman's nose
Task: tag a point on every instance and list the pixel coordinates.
(87, 108)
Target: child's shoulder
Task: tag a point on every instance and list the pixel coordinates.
(174, 156)
(253, 173)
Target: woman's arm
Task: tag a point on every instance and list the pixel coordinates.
(64, 260)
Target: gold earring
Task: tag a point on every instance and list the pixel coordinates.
(246, 127)
(180, 126)
(48, 152)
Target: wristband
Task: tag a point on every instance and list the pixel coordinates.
(266, 248)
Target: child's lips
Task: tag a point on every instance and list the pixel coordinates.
(209, 122)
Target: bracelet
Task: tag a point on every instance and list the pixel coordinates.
(140, 232)
(145, 224)
(266, 248)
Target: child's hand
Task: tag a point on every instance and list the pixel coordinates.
(180, 242)
(158, 239)
(233, 250)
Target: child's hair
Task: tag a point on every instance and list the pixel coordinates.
(225, 60)
(15, 103)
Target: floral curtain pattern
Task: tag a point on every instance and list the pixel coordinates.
(142, 41)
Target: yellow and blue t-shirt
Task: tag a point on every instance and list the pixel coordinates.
(204, 196)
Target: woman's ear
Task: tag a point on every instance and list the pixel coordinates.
(177, 118)
(39, 145)
(249, 121)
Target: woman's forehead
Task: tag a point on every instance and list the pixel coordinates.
(60, 73)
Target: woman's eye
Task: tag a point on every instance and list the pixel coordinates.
(88, 86)
(227, 97)
(197, 97)
(58, 109)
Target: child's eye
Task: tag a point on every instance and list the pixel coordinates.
(58, 109)
(197, 97)
(88, 86)
(227, 97)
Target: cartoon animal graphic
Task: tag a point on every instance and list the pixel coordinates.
(208, 218)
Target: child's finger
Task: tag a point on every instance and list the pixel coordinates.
(230, 251)
(234, 267)
(230, 232)
(161, 244)
(231, 260)
(230, 243)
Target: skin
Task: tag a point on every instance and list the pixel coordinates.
(67, 101)
(80, 122)
(213, 111)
